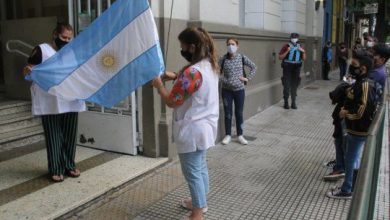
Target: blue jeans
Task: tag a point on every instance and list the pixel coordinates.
(353, 150)
(238, 97)
(194, 168)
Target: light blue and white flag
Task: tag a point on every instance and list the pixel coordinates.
(116, 54)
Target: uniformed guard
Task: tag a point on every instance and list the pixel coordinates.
(292, 55)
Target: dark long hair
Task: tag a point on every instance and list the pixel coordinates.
(204, 46)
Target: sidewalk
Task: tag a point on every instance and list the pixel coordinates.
(277, 176)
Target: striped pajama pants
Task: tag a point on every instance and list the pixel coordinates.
(60, 134)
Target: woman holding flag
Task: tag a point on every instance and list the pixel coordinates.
(194, 98)
(59, 116)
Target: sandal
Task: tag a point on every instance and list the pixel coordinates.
(73, 173)
(187, 204)
(57, 178)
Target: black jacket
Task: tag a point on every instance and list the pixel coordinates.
(358, 119)
(338, 97)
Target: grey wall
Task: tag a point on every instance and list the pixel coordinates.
(264, 90)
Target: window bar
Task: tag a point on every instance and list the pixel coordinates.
(70, 13)
(79, 6)
(89, 8)
(99, 7)
(2, 10)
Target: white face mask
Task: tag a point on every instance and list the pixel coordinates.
(294, 40)
(370, 44)
(349, 80)
(232, 49)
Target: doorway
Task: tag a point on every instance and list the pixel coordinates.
(24, 24)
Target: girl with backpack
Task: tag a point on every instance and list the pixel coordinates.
(233, 80)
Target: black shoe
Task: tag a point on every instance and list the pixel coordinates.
(286, 106)
(338, 194)
(294, 106)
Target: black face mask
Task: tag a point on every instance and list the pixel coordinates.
(187, 55)
(354, 71)
(59, 43)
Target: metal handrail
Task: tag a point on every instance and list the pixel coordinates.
(8, 48)
(364, 195)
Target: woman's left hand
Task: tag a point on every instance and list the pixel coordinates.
(157, 82)
(244, 79)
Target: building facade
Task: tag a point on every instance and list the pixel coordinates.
(261, 26)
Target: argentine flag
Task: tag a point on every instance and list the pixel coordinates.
(116, 54)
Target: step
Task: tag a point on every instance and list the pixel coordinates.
(39, 200)
(22, 142)
(20, 134)
(10, 118)
(31, 122)
(14, 106)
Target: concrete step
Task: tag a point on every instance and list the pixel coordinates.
(15, 117)
(14, 106)
(18, 135)
(17, 125)
(23, 142)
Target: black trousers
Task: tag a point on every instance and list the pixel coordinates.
(325, 70)
(60, 134)
(291, 80)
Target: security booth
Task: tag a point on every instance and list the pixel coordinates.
(26, 23)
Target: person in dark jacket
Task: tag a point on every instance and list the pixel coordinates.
(357, 116)
(327, 58)
(342, 58)
(338, 98)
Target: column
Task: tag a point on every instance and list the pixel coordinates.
(293, 16)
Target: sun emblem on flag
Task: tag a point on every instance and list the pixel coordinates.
(108, 61)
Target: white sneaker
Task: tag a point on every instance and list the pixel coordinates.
(226, 139)
(242, 140)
